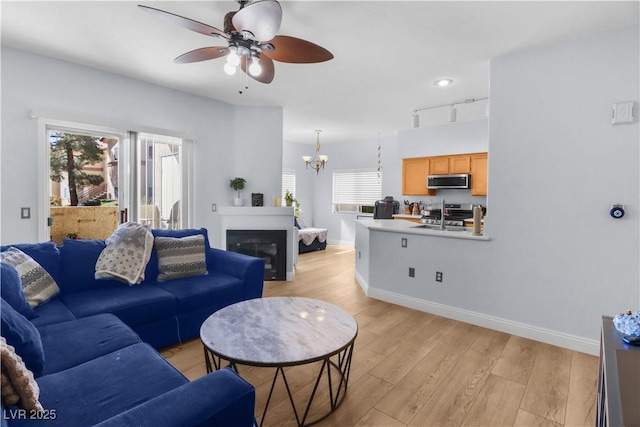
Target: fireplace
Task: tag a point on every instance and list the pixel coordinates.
(269, 245)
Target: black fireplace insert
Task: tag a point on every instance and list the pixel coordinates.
(269, 245)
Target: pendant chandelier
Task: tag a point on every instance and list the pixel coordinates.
(318, 160)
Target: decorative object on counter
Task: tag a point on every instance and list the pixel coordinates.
(477, 221)
(318, 160)
(237, 184)
(628, 323)
(257, 199)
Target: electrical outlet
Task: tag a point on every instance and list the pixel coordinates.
(403, 242)
(438, 276)
(412, 272)
(214, 207)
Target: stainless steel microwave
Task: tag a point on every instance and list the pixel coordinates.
(449, 181)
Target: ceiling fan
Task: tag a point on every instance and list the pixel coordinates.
(251, 39)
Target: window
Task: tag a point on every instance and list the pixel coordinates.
(288, 182)
(356, 191)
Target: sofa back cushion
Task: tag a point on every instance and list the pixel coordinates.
(11, 290)
(46, 254)
(79, 265)
(23, 336)
(37, 283)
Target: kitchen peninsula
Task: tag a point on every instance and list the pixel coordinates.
(440, 272)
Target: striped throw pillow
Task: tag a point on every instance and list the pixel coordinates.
(180, 257)
(37, 284)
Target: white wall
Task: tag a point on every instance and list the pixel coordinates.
(556, 166)
(556, 261)
(33, 82)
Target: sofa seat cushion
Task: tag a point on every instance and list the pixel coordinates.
(212, 289)
(104, 387)
(71, 343)
(52, 311)
(132, 304)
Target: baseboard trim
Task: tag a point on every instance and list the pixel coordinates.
(536, 333)
(363, 284)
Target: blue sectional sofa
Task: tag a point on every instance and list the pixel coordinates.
(98, 339)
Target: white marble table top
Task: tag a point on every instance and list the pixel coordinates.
(278, 331)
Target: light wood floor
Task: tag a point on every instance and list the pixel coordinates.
(415, 369)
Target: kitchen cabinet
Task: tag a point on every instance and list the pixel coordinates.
(439, 165)
(414, 177)
(415, 171)
(443, 165)
(479, 174)
(459, 164)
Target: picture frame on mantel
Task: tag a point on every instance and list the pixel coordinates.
(257, 199)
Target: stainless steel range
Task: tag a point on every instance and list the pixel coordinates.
(454, 214)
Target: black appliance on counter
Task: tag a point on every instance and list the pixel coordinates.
(386, 208)
(454, 214)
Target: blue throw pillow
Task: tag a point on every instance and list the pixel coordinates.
(11, 291)
(23, 336)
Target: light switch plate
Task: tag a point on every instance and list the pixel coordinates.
(622, 113)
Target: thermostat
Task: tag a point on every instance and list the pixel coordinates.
(617, 211)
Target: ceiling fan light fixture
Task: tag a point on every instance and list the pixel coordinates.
(255, 68)
(443, 82)
(233, 58)
(230, 69)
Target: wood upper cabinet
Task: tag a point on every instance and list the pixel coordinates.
(479, 174)
(414, 177)
(443, 165)
(459, 164)
(439, 165)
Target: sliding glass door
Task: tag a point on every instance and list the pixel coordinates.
(94, 178)
(160, 182)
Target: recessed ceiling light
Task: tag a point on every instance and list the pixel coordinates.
(443, 82)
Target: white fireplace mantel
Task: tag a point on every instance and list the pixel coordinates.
(261, 218)
(256, 211)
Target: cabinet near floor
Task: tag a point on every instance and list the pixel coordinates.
(416, 169)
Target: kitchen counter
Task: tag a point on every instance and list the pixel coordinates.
(409, 227)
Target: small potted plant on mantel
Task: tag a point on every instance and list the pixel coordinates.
(288, 198)
(237, 184)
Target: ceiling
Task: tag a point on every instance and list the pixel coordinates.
(387, 53)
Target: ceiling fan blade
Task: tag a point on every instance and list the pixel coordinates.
(268, 69)
(202, 54)
(190, 24)
(261, 18)
(296, 51)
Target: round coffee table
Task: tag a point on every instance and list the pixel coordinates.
(279, 332)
